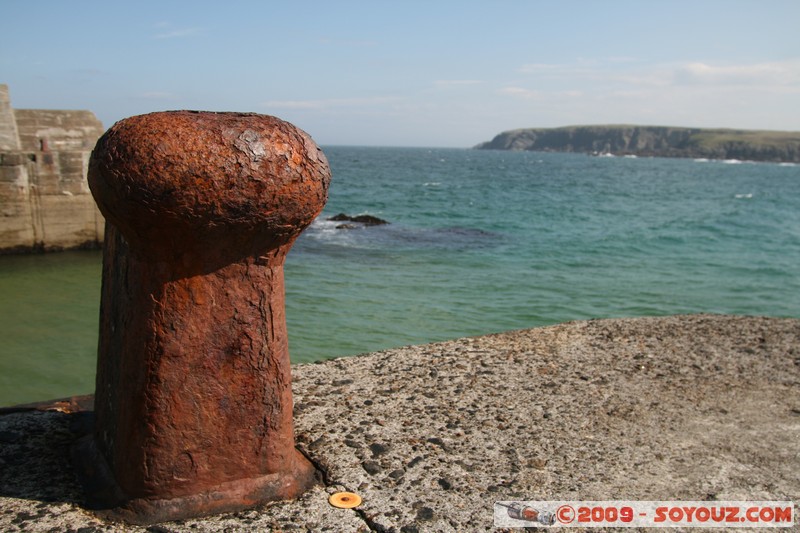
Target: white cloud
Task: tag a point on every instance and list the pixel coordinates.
(758, 95)
(456, 83)
(583, 71)
(167, 31)
(294, 104)
(330, 103)
(157, 95)
(520, 92)
(539, 68)
(622, 59)
(627, 71)
(785, 73)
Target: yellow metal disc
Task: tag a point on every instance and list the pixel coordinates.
(345, 500)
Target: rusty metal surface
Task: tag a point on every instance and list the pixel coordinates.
(193, 402)
(175, 182)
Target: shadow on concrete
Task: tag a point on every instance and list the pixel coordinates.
(35, 442)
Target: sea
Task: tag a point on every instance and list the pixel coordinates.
(476, 242)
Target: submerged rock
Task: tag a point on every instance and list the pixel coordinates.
(362, 220)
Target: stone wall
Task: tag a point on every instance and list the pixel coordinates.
(9, 139)
(45, 202)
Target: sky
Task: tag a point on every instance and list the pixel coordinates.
(433, 73)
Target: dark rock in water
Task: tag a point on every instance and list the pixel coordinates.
(365, 220)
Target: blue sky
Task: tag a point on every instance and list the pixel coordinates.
(413, 73)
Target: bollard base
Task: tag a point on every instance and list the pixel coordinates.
(108, 501)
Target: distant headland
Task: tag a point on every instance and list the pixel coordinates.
(654, 141)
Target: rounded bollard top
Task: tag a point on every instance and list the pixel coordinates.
(180, 181)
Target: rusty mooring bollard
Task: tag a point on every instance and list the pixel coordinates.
(193, 405)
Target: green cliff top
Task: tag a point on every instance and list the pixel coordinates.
(663, 141)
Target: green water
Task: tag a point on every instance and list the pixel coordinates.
(479, 242)
(49, 308)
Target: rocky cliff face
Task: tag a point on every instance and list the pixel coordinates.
(45, 202)
(655, 141)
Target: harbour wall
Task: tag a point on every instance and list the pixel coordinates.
(45, 202)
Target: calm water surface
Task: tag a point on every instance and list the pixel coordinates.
(479, 242)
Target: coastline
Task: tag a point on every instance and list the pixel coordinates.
(655, 141)
(430, 436)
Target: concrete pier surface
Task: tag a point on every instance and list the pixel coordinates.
(696, 407)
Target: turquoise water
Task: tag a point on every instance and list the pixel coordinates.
(479, 242)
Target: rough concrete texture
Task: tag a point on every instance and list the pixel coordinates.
(676, 408)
